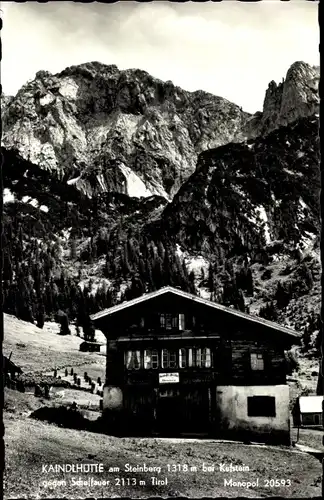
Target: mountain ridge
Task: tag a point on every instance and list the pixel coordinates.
(108, 129)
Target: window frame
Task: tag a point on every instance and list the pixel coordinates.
(164, 358)
(155, 352)
(206, 357)
(169, 359)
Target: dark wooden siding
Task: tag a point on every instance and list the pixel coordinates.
(274, 371)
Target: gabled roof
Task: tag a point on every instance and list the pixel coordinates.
(199, 300)
(310, 404)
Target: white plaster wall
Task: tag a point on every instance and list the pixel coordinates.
(233, 412)
(112, 398)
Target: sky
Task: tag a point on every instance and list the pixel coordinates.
(231, 49)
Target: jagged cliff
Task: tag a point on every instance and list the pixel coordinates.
(243, 196)
(295, 97)
(105, 129)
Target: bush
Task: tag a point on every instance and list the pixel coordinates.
(291, 362)
(62, 416)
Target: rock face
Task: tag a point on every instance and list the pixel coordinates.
(105, 129)
(5, 102)
(243, 197)
(296, 97)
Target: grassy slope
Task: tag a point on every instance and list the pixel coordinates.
(36, 350)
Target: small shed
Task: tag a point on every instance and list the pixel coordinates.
(87, 346)
(309, 411)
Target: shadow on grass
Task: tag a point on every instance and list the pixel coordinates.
(74, 419)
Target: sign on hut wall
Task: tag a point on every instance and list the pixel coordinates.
(168, 378)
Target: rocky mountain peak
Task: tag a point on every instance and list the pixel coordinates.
(295, 97)
(105, 129)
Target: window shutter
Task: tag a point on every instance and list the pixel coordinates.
(128, 359)
(190, 357)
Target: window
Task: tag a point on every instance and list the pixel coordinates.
(133, 360)
(172, 359)
(170, 321)
(175, 322)
(147, 360)
(261, 406)
(197, 357)
(206, 358)
(155, 359)
(257, 361)
(162, 321)
(165, 358)
(183, 361)
(317, 419)
(151, 359)
(169, 359)
(167, 321)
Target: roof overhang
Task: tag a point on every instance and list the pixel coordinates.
(199, 300)
(311, 404)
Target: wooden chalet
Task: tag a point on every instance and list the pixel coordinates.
(178, 364)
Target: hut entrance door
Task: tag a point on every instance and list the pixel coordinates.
(168, 411)
(196, 409)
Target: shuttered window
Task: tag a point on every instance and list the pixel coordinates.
(133, 360)
(257, 361)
